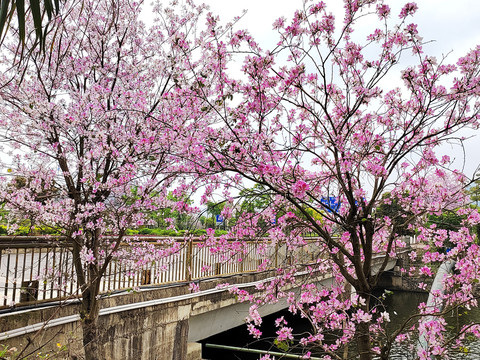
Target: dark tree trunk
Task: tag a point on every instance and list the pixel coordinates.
(91, 340)
(364, 341)
(89, 315)
(364, 344)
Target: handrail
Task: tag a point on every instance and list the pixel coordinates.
(40, 269)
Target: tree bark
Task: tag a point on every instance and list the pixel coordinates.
(364, 341)
(364, 345)
(89, 315)
(91, 344)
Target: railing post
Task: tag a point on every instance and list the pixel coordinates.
(189, 260)
(276, 255)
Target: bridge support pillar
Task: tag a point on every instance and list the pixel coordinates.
(194, 351)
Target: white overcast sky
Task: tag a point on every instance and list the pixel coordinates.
(452, 26)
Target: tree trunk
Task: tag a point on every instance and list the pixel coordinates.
(91, 344)
(364, 341)
(364, 344)
(89, 315)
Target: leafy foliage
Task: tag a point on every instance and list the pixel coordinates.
(38, 11)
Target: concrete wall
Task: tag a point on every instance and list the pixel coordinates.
(394, 279)
(154, 332)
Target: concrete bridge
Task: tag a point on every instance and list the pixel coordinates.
(164, 321)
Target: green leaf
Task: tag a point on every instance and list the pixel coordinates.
(282, 345)
(3, 14)
(49, 9)
(37, 20)
(21, 19)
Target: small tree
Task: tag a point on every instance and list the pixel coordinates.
(98, 117)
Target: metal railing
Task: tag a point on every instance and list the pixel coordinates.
(40, 269)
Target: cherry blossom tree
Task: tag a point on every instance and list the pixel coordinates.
(319, 124)
(94, 125)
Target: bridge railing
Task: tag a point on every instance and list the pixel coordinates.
(40, 269)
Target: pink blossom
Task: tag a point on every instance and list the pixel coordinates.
(256, 333)
(284, 333)
(280, 322)
(300, 188)
(361, 316)
(408, 9)
(87, 256)
(254, 315)
(383, 10)
(193, 287)
(425, 270)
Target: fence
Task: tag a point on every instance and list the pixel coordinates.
(34, 270)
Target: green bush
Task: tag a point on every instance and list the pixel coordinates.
(25, 230)
(145, 231)
(170, 232)
(47, 231)
(22, 231)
